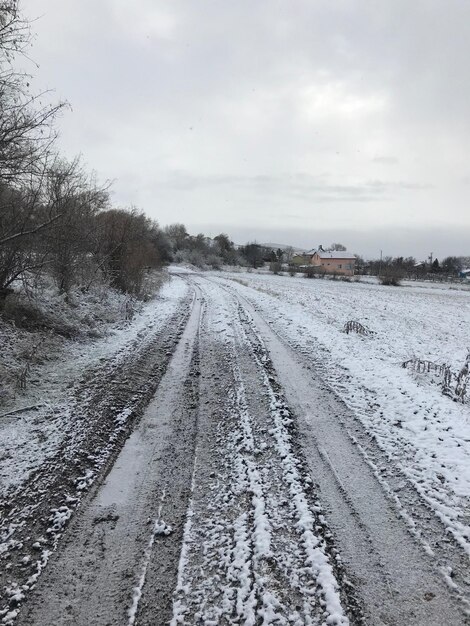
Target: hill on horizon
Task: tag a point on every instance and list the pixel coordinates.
(283, 246)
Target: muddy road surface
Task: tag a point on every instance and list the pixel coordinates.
(248, 494)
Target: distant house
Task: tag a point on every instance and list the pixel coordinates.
(300, 259)
(333, 261)
(464, 274)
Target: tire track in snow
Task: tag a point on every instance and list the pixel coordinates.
(427, 522)
(103, 571)
(258, 536)
(107, 403)
(366, 521)
(316, 557)
(159, 528)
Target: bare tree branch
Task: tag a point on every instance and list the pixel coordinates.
(30, 232)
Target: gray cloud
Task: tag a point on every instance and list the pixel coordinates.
(234, 114)
(295, 186)
(387, 160)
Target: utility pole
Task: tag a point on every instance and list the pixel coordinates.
(380, 265)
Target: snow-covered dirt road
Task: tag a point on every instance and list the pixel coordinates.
(51, 456)
(249, 493)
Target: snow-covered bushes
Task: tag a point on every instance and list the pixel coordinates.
(37, 322)
(391, 275)
(214, 262)
(199, 259)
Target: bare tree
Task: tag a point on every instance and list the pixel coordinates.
(26, 137)
(26, 129)
(130, 246)
(451, 265)
(49, 223)
(178, 236)
(77, 198)
(23, 218)
(289, 254)
(53, 215)
(225, 248)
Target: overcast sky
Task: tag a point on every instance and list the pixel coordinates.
(300, 122)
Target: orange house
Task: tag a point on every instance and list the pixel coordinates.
(334, 262)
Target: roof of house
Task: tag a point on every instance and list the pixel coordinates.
(333, 254)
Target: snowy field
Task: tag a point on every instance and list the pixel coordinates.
(424, 432)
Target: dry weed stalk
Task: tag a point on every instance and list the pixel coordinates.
(25, 370)
(356, 327)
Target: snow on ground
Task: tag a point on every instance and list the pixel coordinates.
(28, 438)
(253, 548)
(424, 432)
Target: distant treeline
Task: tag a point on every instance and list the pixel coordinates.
(203, 251)
(409, 267)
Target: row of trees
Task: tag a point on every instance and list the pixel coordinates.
(409, 267)
(201, 250)
(54, 216)
(204, 251)
(62, 224)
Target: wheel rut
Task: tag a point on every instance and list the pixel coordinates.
(106, 405)
(96, 575)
